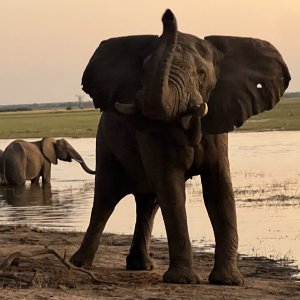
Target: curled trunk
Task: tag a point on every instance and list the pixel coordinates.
(86, 168)
(154, 99)
(80, 160)
(71, 154)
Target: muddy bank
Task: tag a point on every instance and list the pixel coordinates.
(46, 277)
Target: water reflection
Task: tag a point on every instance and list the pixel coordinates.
(28, 195)
(46, 207)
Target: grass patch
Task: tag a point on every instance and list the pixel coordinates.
(54, 123)
(285, 116)
(84, 122)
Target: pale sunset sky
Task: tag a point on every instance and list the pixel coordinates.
(46, 44)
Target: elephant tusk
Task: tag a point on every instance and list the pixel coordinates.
(200, 109)
(125, 108)
(205, 109)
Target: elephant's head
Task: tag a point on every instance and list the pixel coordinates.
(171, 77)
(61, 149)
(178, 76)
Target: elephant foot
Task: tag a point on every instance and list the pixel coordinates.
(80, 259)
(181, 275)
(226, 276)
(138, 262)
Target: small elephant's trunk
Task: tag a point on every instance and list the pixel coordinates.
(80, 160)
(86, 168)
(73, 154)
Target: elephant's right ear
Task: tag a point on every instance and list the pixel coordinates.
(252, 77)
(49, 150)
(114, 72)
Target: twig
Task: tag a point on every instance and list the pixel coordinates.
(8, 261)
(16, 278)
(65, 254)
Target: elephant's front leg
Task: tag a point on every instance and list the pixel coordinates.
(220, 204)
(168, 180)
(109, 190)
(171, 195)
(146, 208)
(45, 172)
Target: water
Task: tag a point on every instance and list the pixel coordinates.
(265, 171)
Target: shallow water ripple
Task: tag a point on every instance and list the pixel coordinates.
(266, 182)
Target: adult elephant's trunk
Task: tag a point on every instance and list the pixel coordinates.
(156, 98)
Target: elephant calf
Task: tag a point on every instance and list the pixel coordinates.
(23, 160)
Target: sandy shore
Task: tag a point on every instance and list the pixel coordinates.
(46, 277)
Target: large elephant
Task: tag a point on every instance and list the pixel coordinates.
(153, 135)
(24, 160)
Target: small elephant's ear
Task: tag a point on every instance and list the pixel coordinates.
(252, 77)
(49, 150)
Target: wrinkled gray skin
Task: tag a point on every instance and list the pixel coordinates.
(22, 160)
(151, 136)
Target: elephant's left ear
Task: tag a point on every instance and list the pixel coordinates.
(49, 150)
(252, 77)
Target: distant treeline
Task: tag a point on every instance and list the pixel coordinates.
(41, 106)
(76, 104)
(291, 95)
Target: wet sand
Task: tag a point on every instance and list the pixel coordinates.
(45, 276)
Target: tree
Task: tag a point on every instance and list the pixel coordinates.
(79, 100)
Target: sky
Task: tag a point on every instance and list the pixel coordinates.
(46, 44)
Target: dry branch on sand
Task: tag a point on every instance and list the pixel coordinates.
(13, 259)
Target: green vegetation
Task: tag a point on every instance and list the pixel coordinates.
(84, 122)
(285, 116)
(54, 123)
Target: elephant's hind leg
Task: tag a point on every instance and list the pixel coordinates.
(146, 208)
(35, 180)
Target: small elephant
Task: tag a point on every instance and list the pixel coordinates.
(22, 160)
(155, 132)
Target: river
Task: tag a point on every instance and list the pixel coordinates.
(265, 168)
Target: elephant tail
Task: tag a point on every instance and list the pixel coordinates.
(4, 178)
(2, 171)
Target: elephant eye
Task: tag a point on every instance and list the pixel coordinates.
(259, 86)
